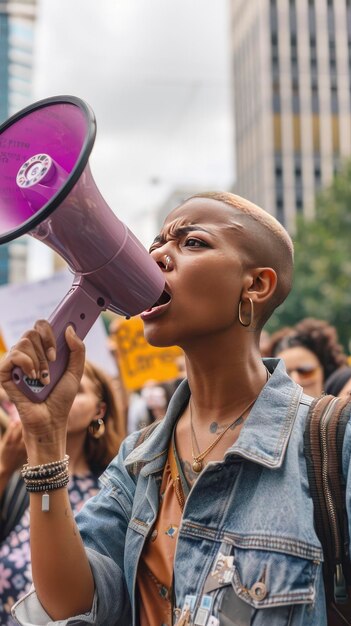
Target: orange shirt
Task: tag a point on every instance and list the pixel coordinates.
(155, 571)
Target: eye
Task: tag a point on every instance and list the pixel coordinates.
(192, 242)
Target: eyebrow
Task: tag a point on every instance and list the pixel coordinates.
(179, 231)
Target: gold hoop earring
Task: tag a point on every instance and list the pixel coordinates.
(97, 428)
(251, 314)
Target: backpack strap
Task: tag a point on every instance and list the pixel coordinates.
(314, 470)
(323, 440)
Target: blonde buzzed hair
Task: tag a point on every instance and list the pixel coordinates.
(279, 251)
(252, 210)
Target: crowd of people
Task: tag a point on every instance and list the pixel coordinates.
(230, 417)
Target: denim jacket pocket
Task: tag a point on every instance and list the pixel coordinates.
(269, 578)
(273, 581)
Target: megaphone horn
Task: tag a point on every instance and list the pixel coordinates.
(48, 192)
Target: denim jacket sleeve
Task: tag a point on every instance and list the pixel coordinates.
(29, 612)
(103, 523)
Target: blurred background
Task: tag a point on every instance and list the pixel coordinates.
(251, 97)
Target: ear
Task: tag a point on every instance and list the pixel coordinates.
(101, 410)
(260, 285)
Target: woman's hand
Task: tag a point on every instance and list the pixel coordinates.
(45, 423)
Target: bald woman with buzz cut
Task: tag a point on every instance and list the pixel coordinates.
(205, 518)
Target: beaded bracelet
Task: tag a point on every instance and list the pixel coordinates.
(46, 481)
(44, 470)
(62, 483)
(46, 477)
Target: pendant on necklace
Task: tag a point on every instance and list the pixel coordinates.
(197, 466)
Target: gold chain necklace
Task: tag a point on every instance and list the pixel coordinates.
(197, 463)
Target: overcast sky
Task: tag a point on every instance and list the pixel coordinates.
(157, 75)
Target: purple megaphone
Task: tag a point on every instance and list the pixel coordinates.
(47, 191)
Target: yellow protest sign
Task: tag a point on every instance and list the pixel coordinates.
(137, 360)
(3, 347)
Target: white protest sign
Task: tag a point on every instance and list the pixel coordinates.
(22, 304)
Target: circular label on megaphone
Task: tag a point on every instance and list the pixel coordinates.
(35, 170)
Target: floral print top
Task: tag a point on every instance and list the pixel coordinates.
(15, 568)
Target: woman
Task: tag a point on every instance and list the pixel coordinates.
(311, 353)
(94, 432)
(208, 520)
(339, 383)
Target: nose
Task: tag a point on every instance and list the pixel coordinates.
(163, 260)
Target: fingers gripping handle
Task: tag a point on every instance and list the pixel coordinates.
(79, 308)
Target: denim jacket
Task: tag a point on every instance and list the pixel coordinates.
(254, 507)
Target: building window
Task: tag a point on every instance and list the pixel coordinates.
(334, 99)
(317, 172)
(276, 96)
(332, 56)
(278, 175)
(277, 132)
(299, 204)
(335, 134)
(315, 133)
(295, 97)
(297, 133)
(315, 99)
(313, 51)
(279, 204)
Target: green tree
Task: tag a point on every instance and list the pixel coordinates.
(322, 280)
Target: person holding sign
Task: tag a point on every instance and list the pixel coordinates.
(206, 518)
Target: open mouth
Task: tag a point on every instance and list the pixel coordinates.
(163, 299)
(158, 307)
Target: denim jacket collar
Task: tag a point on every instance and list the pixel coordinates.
(263, 438)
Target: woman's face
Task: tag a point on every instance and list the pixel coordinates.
(205, 275)
(304, 368)
(85, 408)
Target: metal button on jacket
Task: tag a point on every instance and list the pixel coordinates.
(258, 591)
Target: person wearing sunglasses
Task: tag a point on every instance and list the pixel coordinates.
(311, 353)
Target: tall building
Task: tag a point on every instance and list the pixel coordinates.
(17, 21)
(292, 86)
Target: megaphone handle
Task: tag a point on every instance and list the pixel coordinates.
(80, 308)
